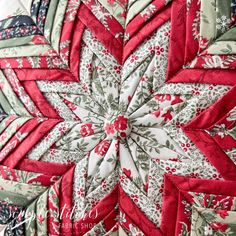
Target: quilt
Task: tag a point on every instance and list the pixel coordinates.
(117, 117)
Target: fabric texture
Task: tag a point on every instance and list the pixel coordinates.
(118, 117)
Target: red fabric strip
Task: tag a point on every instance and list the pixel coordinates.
(146, 31)
(46, 168)
(76, 46)
(44, 74)
(15, 140)
(103, 35)
(191, 43)
(211, 115)
(177, 37)
(138, 217)
(40, 101)
(113, 25)
(213, 153)
(24, 147)
(139, 21)
(169, 207)
(98, 213)
(204, 76)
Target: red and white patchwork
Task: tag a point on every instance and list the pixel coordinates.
(117, 117)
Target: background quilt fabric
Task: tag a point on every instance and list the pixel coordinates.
(118, 117)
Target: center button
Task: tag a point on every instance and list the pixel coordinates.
(117, 127)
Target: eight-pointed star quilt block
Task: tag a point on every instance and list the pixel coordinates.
(117, 117)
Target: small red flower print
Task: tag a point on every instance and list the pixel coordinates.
(85, 87)
(158, 207)
(109, 129)
(163, 97)
(121, 123)
(170, 170)
(199, 110)
(203, 42)
(127, 172)
(111, 2)
(133, 58)
(167, 115)
(105, 51)
(122, 179)
(157, 113)
(98, 232)
(104, 184)
(3, 136)
(62, 129)
(196, 91)
(94, 202)
(176, 100)
(222, 213)
(159, 50)
(129, 98)
(178, 124)
(89, 67)
(41, 219)
(185, 146)
(123, 14)
(38, 40)
(216, 177)
(194, 175)
(117, 69)
(146, 187)
(144, 78)
(86, 130)
(134, 197)
(151, 49)
(117, 147)
(219, 226)
(102, 148)
(155, 49)
(81, 192)
(167, 34)
(70, 105)
(48, 137)
(210, 87)
(122, 135)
